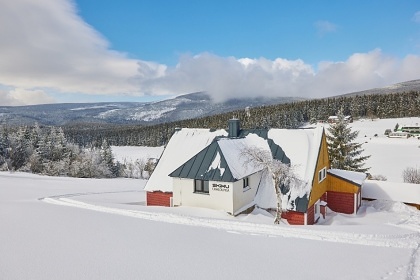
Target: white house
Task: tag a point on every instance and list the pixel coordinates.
(218, 177)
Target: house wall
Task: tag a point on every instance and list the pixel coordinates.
(336, 184)
(218, 198)
(319, 188)
(310, 215)
(294, 218)
(158, 198)
(243, 197)
(231, 198)
(343, 196)
(341, 202)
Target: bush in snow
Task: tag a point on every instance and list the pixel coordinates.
(150, 166)
(47, 151)
(411, 175)
(139, 169)
(377, 177)
(133, 169)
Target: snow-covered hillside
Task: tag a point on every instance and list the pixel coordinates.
(389, 156)
(68, 228)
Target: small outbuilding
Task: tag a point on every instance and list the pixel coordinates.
(345, 190)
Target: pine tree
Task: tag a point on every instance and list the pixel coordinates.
(108, 158)
(4, 147)
(343, 153)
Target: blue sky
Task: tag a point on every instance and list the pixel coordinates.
(93, 51)
(310, 30)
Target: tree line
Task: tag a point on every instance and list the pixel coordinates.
(46, 150)
(289, 115)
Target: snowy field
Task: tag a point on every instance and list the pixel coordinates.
(131, 154)
(67, 228)
(389, 156)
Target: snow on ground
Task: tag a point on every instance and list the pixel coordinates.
(131, 154)
(67, 228)
(404, 192)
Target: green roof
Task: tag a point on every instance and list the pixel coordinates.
(200, 166)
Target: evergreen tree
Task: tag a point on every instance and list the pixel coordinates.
(108, 158)
(343, 153)
(20, 148)
(4, 148)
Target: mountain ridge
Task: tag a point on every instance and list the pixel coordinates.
(188, 106)
(193, 105)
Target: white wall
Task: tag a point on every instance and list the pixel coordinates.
(243, 197)
(183, 195)
(230, 197)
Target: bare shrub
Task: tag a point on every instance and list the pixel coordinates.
(411, 175)
(378, 177)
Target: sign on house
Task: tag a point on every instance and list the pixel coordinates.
(220, 187)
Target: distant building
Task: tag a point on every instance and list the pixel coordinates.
(413, 129)
(334, 119)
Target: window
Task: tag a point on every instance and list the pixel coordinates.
(245, 182)
(201, 186)
(322, 174)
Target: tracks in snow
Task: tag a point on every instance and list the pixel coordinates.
(409, 241)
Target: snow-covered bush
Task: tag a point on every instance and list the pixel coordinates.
(378, 177)
(150, 166)
(47, 151)
(139, 169)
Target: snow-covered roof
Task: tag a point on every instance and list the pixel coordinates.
(223, 159)
(302, 147)
(183, 145)
(232, 149)
(391, 191)
(352, 176)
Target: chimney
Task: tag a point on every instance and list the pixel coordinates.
(234, 128)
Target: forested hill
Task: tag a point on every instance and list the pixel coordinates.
(290, 115)
(193, 105)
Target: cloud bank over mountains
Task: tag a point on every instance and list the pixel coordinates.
(47, 48)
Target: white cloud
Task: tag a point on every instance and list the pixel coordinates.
(324, 27)
(19, 96)
(245, 77)
(45, 44)
(416, 17)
